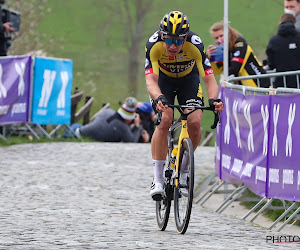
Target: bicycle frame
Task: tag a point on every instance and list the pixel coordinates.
(181, 122)
(184, 131)
(183, 134)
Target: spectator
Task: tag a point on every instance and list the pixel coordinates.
(147, 116)
(283, 51)
(293, 7)
(4, 29)
(242, 60)
(111, 126)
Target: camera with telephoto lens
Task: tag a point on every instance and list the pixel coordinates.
(14, 18)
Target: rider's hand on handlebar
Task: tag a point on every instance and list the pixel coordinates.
(218, 106)
(217, 103)
(160, 103)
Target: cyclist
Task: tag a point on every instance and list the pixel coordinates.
(175, 58)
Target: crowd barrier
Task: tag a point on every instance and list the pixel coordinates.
(257, 144)
(35, 90)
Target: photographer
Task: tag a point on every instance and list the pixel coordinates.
(112, 126)
(4, 29)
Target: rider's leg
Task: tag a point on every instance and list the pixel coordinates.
(194, 127)
(159, 144)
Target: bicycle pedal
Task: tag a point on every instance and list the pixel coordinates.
(157, 197)
(183, 186)
(168, 173)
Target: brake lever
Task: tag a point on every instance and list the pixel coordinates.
(158, 120)
(217, 114)
(216, 120)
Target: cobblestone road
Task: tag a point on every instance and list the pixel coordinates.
(96, 196)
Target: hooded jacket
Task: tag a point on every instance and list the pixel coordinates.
(283, 53)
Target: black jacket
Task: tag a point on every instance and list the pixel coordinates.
(283, 53)
(3, 45)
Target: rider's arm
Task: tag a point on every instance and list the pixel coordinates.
(212, 90)
(155, 92)
(211, 86)
(152, 86)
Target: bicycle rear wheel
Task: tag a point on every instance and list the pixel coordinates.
(183, 194)
(164, 205)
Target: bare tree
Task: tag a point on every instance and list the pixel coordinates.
(134, 13)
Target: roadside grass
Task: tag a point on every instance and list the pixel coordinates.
(272, 213)
(14, 140)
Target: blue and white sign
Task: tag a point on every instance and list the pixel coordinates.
(52, 87)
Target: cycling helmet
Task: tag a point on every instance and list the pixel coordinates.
(174, 23)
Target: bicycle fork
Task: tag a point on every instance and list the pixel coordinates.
(183, 134)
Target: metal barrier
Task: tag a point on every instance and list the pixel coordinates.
(271, 76)
(214, 184)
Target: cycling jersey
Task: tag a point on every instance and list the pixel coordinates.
(191, 55)
(243, 62)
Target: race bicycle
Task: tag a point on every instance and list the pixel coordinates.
(181, 193)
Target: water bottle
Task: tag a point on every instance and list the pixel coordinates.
(173, 157)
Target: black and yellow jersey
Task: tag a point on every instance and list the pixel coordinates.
(243, 62)
(191, 55)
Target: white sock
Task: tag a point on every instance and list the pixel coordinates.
(158, 168)
(184, 163)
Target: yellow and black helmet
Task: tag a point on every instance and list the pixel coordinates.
(174, 23)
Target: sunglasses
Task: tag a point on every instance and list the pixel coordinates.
(177, 42)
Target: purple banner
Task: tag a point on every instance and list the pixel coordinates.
(14, 89)
(257, 143)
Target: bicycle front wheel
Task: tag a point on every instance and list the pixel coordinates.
(164, 205)
(162, 212)
(183, 194)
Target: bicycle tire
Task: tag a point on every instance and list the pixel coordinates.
(163, 206)
(183, 201)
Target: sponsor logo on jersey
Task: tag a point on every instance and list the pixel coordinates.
(209, 72)
(171, 57)
(237, 53)
(238, 59)
(177, 68)
(148, 71)
(207, 62)
(194, 102)
(240, 44)
(146, 63)
(255, 69)
(196, 39)
(292, 46)
(153, 38)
